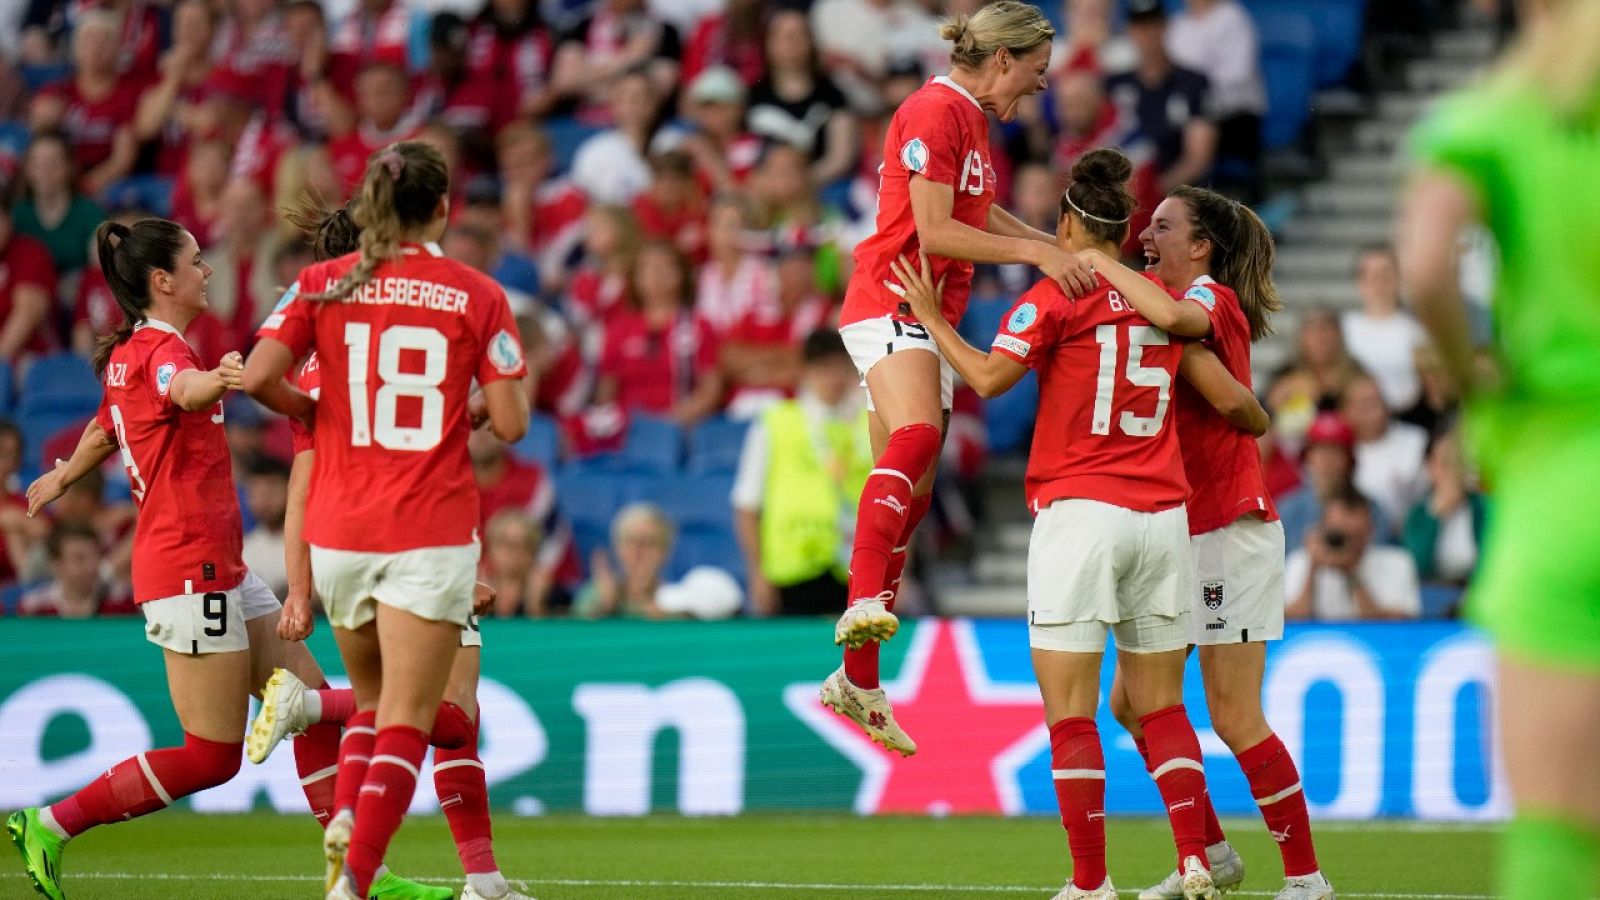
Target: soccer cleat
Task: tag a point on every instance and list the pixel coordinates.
(40, 849)
(390, 886)
(335, 844)
(866, 620)
(1072, 892)
(1227, 873)
(1197, 883)
(1306, 887)
(471, 893)
(339, 888)
(283, 712)
(869, 709)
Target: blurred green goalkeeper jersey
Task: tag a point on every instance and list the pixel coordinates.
(1537, 177)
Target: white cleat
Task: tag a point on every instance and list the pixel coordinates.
(1306, 887)
(340, 889)
(869, 709)
(1072, 892)
(1197, 883)
(866, 620)
(283, 712)
(1227, 873)
(335, 844)
(471, 893)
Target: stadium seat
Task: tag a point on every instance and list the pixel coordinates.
(1338, 28)
(1441, 601)
(654, 446)
(7, 390)
(566, 135)
(588, 496)
(60, 380)
(39, 430)
(1288, 57)
(11, 598)
(713, 547)
(541, 444)
(1008, 418)
(694, 501)
(715, 446)
(147, 193)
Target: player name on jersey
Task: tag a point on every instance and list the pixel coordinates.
(394, 291)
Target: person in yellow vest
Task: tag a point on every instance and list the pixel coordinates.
(799, 480)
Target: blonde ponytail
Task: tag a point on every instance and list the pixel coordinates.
(400, 192)
(1017, 27)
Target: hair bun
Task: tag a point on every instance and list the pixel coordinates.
(1103, 167)
(953, 30)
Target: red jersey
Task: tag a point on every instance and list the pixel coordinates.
(188, 537)
(25, 261)
(92, 124)
(398, 358)
(656, 367)
(307, 378)
(519, 60)
(1105, 383)
(94, 305)
(941, 134)
(351, 152)
(1222, 462)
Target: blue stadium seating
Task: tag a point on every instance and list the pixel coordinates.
(1288, 58)
(715, 446)
(694, 501)
(1008, 419)
(60, 380)
(653, 447)
(11, 598)
(1338, 26)
(541, 444)
(147, 193)
(8, 390)
(706, 547)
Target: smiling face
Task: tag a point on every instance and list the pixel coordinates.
(1015, 78)
(1171, 249)
(182, 290)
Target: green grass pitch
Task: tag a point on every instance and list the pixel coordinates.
(270, 857)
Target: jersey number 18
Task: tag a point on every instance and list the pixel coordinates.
(394, 384)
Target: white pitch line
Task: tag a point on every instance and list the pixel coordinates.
(727, 885)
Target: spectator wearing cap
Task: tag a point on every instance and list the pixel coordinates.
(659, 357)
(799, 479)
(642, 538)
(1382, 336)
(762, 353)
(674, 208)
(526, 491)
(797, 104)
(1388, 453)
(859, 39)
(736, 278)
(731, 37)
(1217, 38)
(1168, 103)
(383, 99)
(1444, 530)
(511, 44)
(76, 589)
(1329, 463)
(610, 166)
(94, 106)
(51, 209)
(714, 107)
(447, 92)
(27, 289)
(169, 110)
(1340, 575)
(620, 37)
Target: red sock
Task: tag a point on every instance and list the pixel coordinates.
(452, 727)
(1214, 834)
(1079, 769)
(147, 782)
(464, 796)
(316, 759)
(1175, 758)
(861, 665)
(886, 504)
(1275, 783)
(338, 704)
(355, 752)
(391, 782)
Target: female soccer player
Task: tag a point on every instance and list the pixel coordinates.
(287, 707)
(1110, 548)
(215, 621)
(936, 195)
(1517, 154)
(1219, 255)
(400, 333)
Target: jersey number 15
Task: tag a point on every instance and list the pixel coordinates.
(394, 384)
(1105, 383)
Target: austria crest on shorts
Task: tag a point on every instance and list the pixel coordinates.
(914, 155)
(1211, 594)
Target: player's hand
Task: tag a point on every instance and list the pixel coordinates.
(1075, 276)
(483, 597)
(231, 371)
(477, 410)
(46, 488)
(920, 291)
(296, 623)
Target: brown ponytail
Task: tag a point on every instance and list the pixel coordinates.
(331, 233)
(128, 254)
(400, 192)
(1242, 253)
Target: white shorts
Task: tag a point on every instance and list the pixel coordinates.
(470, 635)
(429, 582)
(870, 340)
(1093, 566)
(212, 622)
(1239, 596)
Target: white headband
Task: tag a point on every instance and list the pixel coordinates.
(1079, 211)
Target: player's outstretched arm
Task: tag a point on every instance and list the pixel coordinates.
(990, 374)
(932, 206)
(94, 448)
(1184, 318)
(196, 389)
(263, 380)
(1235, 402)
(296, 623)
(1437, 206)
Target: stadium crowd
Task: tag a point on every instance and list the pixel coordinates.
(669, 193)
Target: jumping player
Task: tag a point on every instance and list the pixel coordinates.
(215, 621)
(1218, 254)
(936, 195)
(400, 333)
(1517, 155)
(1110, 548)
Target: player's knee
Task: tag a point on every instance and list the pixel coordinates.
(210, 763)
(1122, 711)
(1237, 719)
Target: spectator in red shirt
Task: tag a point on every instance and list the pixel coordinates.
(736, 278)
(599, 287)
(620, 37)
(659, 357)
(14, 521)
(240, 290)
(76, 589)
(170, 110)
(197, 199)
(254, 45)
(95, 106)
(376, 31)
(673, 208)
(730, 38)
(382, 100)
(543, 215)
(507, 484)
(562, 378)
(512, 45)
(448, 93)
(762, 353)
(27, 286)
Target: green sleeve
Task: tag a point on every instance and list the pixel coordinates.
(1420, 536)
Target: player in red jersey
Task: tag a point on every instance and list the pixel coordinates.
(935, 195)
(215, 621)
(400, 334)
(1218, 254)
(1110, 547)
(289, 708)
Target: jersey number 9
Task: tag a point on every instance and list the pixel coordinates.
(394, 384)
